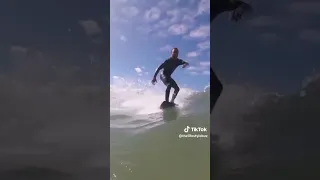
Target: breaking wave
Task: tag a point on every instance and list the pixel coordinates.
(261, 135)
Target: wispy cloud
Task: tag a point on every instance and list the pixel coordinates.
(200, 68)
(123, 38)
(201, 32)
(166, 48)
(194, 73)
(204, 7)
(206, 73)
(138, 70)
(130, 11)
(204, 45)
(174, 20)
(204, 63)
(193, 54)
(178, 29)
(165, 17)
(152, 14)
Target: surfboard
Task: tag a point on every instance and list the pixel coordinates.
(166, 104)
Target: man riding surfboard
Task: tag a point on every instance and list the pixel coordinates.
(169, 66)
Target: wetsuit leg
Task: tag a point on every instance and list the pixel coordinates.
(176, 89)
(166, 82)
(168, 92)
(215, 89)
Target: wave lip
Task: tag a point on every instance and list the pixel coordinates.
(131, 102)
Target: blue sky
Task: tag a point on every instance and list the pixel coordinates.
(143, 33)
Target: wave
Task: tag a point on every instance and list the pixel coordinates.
(136, 103)
(261, 135)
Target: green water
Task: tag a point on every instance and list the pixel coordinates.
(159, 154)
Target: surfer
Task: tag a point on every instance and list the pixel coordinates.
(169, 66)
(237, 8)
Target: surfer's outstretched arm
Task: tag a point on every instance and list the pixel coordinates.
(157, 70)
(154, 79)
(183, 63)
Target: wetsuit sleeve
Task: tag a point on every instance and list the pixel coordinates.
(182, 62)
(158, 69)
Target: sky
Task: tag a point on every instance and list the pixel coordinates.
(276, 47)
(144, 32)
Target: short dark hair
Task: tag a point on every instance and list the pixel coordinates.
(175, 49)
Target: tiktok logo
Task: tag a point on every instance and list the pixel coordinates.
(186, 129)
(195, 129)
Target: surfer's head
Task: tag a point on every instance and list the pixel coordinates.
(175, 53)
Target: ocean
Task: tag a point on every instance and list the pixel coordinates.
(145, 142)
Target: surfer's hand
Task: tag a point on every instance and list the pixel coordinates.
(185, 65)
(154, 80)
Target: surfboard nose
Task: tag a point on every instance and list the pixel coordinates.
(166, 104)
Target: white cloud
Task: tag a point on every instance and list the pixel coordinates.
(178, 29)
(152, 14)
(164, 4)
(179, 15)
(144, 29)
(204, 63)
(204, 45)
(163, 23)
(194, 73)
(201, 32)
(166, 48)
(204, 7)
(138, 70)
(123, 38)
(206, 72)
(115, 77)
(174, 15)
(201, 67)
(195, 68)
(130, 11)
(91, 27)
(193, 54)
(161, 33)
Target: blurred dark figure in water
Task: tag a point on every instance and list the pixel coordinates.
(237, 9)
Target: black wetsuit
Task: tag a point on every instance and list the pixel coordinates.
(169, 66)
